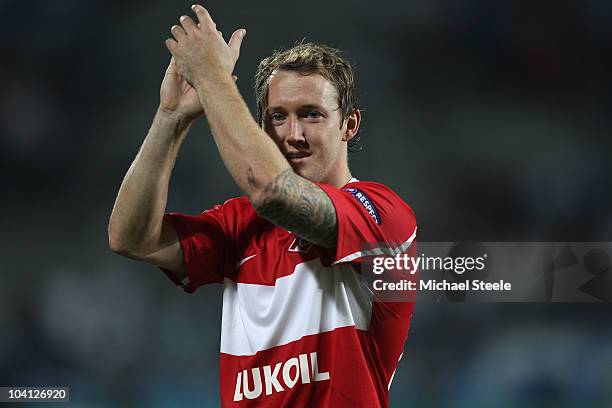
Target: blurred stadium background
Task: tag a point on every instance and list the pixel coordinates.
(492, 119)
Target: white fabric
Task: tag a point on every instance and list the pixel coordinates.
(379, 251)
(313, 299)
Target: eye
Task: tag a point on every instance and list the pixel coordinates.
(314, 115)
(277, 117)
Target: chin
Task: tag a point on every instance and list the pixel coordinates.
(308, 175)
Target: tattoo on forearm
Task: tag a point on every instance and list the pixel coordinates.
(301, 207)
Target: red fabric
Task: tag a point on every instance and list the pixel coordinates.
(231, 242)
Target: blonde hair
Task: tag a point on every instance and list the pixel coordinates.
(307, 59)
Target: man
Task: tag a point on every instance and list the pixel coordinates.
(299, 325)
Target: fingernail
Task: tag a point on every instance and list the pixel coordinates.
(243, 32)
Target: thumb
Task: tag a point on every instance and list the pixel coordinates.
(171, 67)
(236, 41)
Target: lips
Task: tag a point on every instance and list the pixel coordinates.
(296, 157)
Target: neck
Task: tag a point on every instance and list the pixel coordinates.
(338, 177)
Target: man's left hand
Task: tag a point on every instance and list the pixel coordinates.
(200, 51)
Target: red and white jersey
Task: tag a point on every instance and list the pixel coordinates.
(299, 326)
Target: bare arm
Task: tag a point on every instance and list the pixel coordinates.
(250, 155)
(136, 229)
(262, 172)
(301, 207)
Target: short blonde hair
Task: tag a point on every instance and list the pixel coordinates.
(310, 58)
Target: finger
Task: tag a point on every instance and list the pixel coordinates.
(171, 44)
(178, 33)
(204, 17)
(187, 24)
(236, 41)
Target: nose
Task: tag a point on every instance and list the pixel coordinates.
(296, 136)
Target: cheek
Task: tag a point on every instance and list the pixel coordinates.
(333, 141)
(325, 136)
(274, 133)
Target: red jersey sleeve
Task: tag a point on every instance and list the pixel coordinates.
(206, 247)
(369, 213)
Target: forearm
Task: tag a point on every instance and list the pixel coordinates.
(137, 215)
(261, 170)
(249, 154)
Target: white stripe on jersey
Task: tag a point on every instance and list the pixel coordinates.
(312, 300)
(393, 375)
(378, 251)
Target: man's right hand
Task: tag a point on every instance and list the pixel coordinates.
(137, 228)
(177, 97)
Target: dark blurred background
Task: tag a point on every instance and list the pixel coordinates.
(492, 119)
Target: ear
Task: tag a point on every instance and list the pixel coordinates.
(352, 125)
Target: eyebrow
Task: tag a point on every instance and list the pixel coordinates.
(302, 107)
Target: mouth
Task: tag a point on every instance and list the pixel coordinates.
(297, 157)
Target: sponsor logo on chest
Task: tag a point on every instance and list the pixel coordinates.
(278, 378)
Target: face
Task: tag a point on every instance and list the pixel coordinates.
(304, 120)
